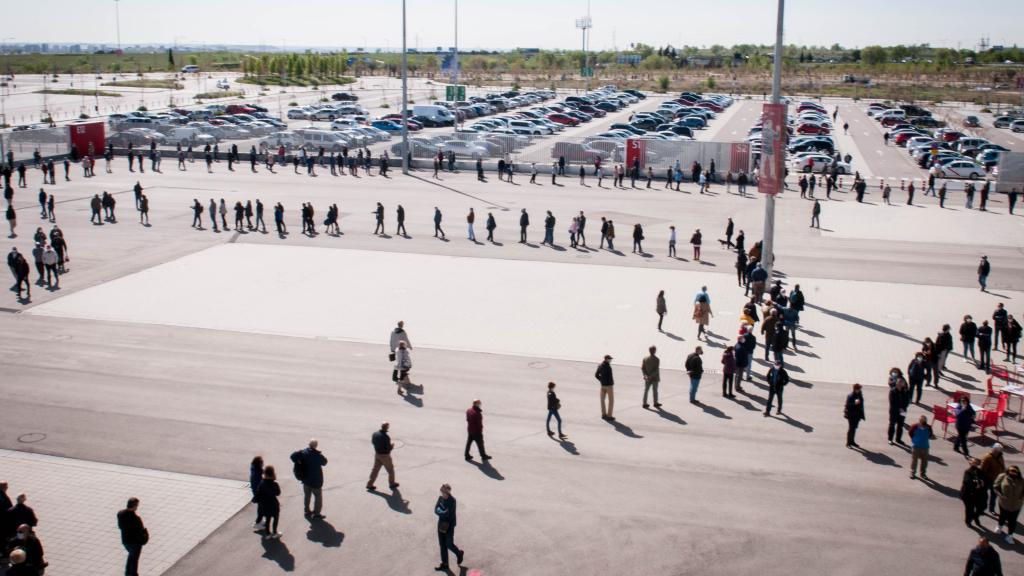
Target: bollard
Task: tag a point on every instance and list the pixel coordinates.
(903, 184)
(840, 184)
(881, 183)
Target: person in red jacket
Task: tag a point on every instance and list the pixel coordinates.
(475, 430)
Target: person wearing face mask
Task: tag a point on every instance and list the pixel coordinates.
(1009, 486)
(26, 540)
(916, 373)
(899, 401)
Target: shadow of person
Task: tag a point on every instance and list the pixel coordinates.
(623, 429)
(323, 533)
(794, 423)
(669, 416)
(878, 458)
(674, 337)
(567, 445)
(488, 470)
(414, 400)
(394, 500)
(713, 411)
(941, 488)
(276, 550)
(746, 405)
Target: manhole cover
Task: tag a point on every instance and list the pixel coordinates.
(538, 365)
(32, 437)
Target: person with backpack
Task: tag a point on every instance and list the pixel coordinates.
(133, 535)
(696, 240)
(309, 469)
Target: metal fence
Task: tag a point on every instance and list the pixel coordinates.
(24, 143)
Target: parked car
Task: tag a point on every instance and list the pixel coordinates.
(286, 139)
(297, 114)
(576, 152)
(1017, 126)
(464, 149)
(972, 122)
(344, 97)
(817, 163)
(962, 169)
(386, 125)
(1003, 121)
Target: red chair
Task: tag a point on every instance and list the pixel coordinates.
(942, 414)
(986, 419)
(998, 404)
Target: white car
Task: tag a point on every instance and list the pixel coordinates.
(961, 169)
(817, 163)
(1017, 126)
(297, 114)
(344, 124)
(466, 149)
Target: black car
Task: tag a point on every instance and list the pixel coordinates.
(258, 108)
(645, 123)
(927, 122)
(914, 111)
(809, 145)
(344, 97)
(606, 106)
(675, 129)
(636, 93)
(429, 123)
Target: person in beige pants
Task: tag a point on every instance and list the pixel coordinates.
(382, 447)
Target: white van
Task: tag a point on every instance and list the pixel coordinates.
(315, 138)
(190, 69)
(439, 114)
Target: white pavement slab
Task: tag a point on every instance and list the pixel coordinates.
(77, 501)
(852, 331)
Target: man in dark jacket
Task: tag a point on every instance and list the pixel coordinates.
(743, 360)
(549, 229)
(606, 378)
(984, 337)
(26, 540)
(133, 535)
(777, 378)
(19, 565)
(475, 430)
(695, 370)
(853, 411)
(968, 332)
(984, 268)
(899, 401)
(445, 509)
(916, 372)
(999, 324)
(524, 223)
(310, 462)
(983, 561)
(21, 513)
(382, 447)
(943, 346)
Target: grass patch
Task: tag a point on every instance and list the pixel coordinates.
(221, 94)
(147, 83)
(299, 81)
(79, 92)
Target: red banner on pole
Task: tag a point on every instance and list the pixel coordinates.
(636, 149)
(773, 153)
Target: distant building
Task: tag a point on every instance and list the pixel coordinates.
(631, 59)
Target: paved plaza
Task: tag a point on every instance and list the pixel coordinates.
(173, 355)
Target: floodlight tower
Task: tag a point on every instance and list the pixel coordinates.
(585, 24)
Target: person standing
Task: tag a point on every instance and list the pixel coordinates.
(992, 465)
(609, 235)
(638, 238)
(899, 401)
(554, 405)
(382, 447)
(255, 477)
(671, 241)
(309, 469)
(853, 411)
(1013, 334)
(968, 333)
(50, 262)
(133, 535)
(1009, 487)
(964, 420)
(259, 216)
(475, 430)
(223, 210)
(999, 322)
(549, 229)
(777, 378)
(984, 346)
(470, 218)
(490, 225)
(728, 371)
(695, 370)
(943, 346)
(650, 367)
(607, 380)
(920, 440)
(973, 493)
(268, 507)
(446, 520)
(983, 561)
(661, 308)
(524, 223)
(581, 236)
(917, 374)
(144, 210)
(984, 268)
(604, 231)
(816, 215)
(696, 241)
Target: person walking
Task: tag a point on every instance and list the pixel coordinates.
(983, 560)
(973, 493)
(255, 477)
(267, 504)
(695, 370)
(661, 308)
(581, 225)
(992, 465)
(50, 262)
(728, 371)
(984, 268)
(650, 367)
(403, 364)
(490, 225)
(702, 312)
(379, 217)
(816, 215)
(607, 380)
(777, 378)
(638, 238)
(524, 223)
(853, 411)
(382, 447)
(309, 469)
(920, 440)
(1009, 489)
(133, 535)
(554, 405)
(671, 241)
(475, 430)
(445, 509)
(19, 266)
(899, 402)
(609, 235)
(964, 414)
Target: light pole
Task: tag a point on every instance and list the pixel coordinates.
(585, 24)
(768, 243)
(117, 19)
(455, 69)
(405, 99)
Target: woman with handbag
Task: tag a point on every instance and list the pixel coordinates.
(446, 520)
(403, 363)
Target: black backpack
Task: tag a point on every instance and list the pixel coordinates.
(299, 467)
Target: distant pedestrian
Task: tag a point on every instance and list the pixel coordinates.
(728, 371)
(702, 311)
(638, 238)
(776, 378)
(382, 447)
(133, 535)
(524, 223)
(403, 364)
(853, 411)
(445, 509)
(470, 218)
(992, 465)
(661, 308)
(650, 367)
(816, 215)
(671, 241)
(255, 476)
(984, 268)
(920, 443)
(696, 240)
(267, 504)
(309, 469)
(607, 380)
(899, 402)
(695, 370)
(437, 223)
(554, 405)
(475, 431)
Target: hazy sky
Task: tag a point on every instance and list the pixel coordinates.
(500, 24)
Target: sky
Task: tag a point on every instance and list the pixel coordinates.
(503, 24)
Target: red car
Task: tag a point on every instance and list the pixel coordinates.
(952, 136)
(902, 137)
(563, 119)
(892, 121)
(811, 107)
(413, 126)
(710, 106)
(238, 109)
(811, 129)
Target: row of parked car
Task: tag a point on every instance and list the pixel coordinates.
(948, 153)
(1012, 119)
(810, 146)
(209, 125)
